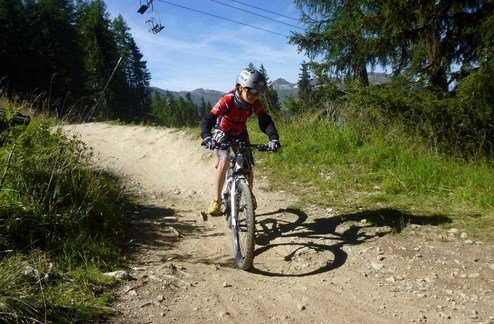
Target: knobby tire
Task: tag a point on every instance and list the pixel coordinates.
(243, 234)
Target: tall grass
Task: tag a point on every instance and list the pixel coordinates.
(353, 168)
(59, 217)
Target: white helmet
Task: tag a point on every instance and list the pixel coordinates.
(250, 78)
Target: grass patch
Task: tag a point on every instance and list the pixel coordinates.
(351, 169)
(61, 227)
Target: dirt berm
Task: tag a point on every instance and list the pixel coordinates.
(312, 265)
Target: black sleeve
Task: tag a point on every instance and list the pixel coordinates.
(266, 125)
(207, 123)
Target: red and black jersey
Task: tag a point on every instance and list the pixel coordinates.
(231, 119)
(227, 117)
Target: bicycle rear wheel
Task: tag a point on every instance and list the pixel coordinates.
(243, 232)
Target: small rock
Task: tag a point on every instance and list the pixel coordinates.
(223, 314)
(453, 231)
(173, 231)
(474, 275)
(119, 275)
(31, 272)
(469, 242)
(377, 265)
(300, 307)
(226, 285)
(464, 235)
(160, 298)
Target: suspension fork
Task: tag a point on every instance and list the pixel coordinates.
(234, 200)
(233, 203)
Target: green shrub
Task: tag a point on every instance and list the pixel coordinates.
(458, 125)
(55, 209)
(49, 193)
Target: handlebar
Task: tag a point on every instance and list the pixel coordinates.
(238, 144)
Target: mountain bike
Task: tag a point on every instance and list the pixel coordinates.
(238, 200)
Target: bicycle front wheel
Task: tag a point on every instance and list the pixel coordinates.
(243, 232)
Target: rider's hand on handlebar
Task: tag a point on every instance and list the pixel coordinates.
(274, 145)
(219, 136)
(209, 142)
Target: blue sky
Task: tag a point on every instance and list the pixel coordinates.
(196, 50)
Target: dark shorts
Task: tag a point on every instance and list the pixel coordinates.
(224, 154)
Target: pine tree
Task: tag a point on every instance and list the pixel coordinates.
(335, 31)
(157, 107)
(270, 97)
(102, 56)
(203, 108)
(15, 47)
(60, 52)
(40, 52)
(417, 37)
(304, 86)
(136, 74)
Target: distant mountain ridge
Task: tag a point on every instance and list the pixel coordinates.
(283, 87)
(211, 96)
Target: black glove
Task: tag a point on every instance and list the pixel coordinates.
(209, 142)
(274, 145)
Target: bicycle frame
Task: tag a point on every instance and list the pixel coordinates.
(237, 199)
(236, 172)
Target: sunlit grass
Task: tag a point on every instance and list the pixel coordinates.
(352, 169)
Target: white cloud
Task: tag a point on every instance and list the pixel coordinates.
(196, 51)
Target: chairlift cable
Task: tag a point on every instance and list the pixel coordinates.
(227, 19)
(262, 9)
(253, 13)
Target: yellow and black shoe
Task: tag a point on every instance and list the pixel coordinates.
(215, 208)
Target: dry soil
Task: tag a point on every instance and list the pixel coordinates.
(313, 264)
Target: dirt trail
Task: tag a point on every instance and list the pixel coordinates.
(312, 264)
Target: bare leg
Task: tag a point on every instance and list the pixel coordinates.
(219, 179)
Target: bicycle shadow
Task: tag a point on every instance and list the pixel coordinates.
(158, 229)
(309, 242)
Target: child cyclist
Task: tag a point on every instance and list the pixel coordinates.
(228, 120)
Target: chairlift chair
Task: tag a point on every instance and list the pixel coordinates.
(145, 7)
(155, 23)
(157, 28)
